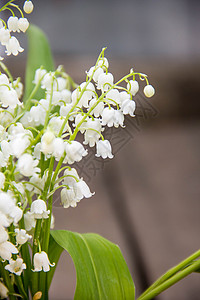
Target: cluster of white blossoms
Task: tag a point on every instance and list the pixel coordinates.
(41, 139)
(13, 24)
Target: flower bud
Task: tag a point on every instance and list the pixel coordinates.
(23, 24)
(149, 91)
(28, 7)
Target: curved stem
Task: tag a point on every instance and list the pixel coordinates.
(172, 276)
(171, 281)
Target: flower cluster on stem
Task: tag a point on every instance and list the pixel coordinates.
(39, 143)
(13, 24)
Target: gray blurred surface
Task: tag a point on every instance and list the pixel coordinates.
(130, 27)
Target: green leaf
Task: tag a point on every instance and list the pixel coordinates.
(39, 54)
(102, 273)
(54, 254)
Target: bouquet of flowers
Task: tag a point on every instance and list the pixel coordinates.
(39, 143)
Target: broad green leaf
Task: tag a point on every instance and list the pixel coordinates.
(54, 254)
(102, 273)
(39, 54)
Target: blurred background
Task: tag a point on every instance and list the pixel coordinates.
(147, 197)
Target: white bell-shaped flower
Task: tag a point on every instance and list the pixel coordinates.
(15, 129)
(82, 190)
(4, 36)
(4, 220)
(119, 119)
(105, 81)
(149, 90)
(23, 24)
(39, 209)
(97, 111)
(96, 72)
(58, 148)
(74, 152)
(71, 177)
(7, 249)
(3, 234)
(55, 125)
(9, 98)
(77, 120)
(37, 115)
(39, 74)
(13, 24)
(66, 96)
(68, 197)
(6, 203)
(16, 266)
(27, 165)
(65, 109)
(41, 262)
(108, 116)
(82, 100)
(47, 140)
(28, 6)
(92, 134)
(16, 214)
(13, 46)
(104, 149)
(113, 97)
(103, 63)
(19, 144)
(128, 107)
(3, 291)
(21, 236)
(29, 221)
(61, 83)
(133, 87)
(3, 81)
(124, 96)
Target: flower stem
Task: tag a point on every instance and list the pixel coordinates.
(35, 248)
(174, 275)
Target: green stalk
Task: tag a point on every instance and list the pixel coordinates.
(26, 257)
(172, 271)
(7, 281)
(20, 286)
(35, 248)
(168, 283)
(47, 223)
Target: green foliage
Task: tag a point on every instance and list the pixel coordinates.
(39, 54)
(101, 270)
(55, 251)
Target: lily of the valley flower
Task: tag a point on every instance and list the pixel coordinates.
(133, 87)
(28, 6)
(41, 262)
(6, 248)
(74, 152)
(27, 165)
(13, 46)
(149, 90)
(3, 291)
(16, 266)
(104, 149)
(39, 209)
(21, 236)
